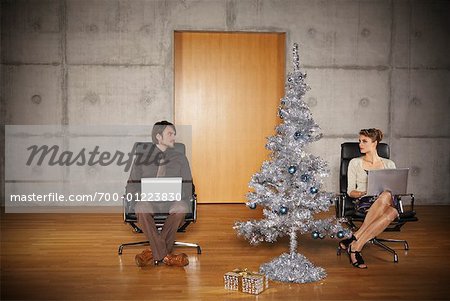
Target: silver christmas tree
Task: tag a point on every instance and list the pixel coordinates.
(289, 187)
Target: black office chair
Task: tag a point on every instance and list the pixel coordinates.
(129, 215)
(345, 205)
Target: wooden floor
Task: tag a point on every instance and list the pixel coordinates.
(74, 257)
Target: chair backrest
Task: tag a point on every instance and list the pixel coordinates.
(350, 150)
(129, 212)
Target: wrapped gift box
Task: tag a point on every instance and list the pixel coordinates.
(245, 281)
(232, 281)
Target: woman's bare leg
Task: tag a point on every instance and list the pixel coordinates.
(375, 228)
(378, 208)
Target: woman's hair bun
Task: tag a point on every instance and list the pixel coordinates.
(374, 134)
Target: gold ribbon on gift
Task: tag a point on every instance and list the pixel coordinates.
(240, 273)
(244, 272)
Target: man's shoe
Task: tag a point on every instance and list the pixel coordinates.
(178, 260)
(143, 258)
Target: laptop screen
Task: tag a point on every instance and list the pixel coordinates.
(394, 180)
(161, 189)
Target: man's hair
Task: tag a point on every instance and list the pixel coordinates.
(159, 127)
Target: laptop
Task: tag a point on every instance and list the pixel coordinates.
(395, 180)
(161, 189)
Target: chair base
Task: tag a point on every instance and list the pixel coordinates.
(147, 243)
(380, 243)
(135, 228)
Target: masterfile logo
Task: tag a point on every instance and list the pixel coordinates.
(73, 166)
(54, 156)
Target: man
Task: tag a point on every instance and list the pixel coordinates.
(161, 161)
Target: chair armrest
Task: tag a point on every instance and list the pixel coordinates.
(411, 196)
(340, 201)
(194, 199)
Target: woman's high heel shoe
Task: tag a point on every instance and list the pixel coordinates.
(345, 243)
(359, 263)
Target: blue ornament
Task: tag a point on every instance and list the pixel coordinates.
(283, 210)
(280, 113)
(340, 234)
(292, 169)
(313, 190)
(304, 178)
(297, 135)
(315, 234)
(252, 205)
(321, 236)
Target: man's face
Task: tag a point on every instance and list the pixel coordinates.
(168, 137)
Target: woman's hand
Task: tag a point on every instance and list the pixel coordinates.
(357, 194)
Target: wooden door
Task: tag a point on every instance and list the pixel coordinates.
(228, 87)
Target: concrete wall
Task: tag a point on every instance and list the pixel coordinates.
(370, 63)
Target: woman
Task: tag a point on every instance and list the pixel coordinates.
(382, 212)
